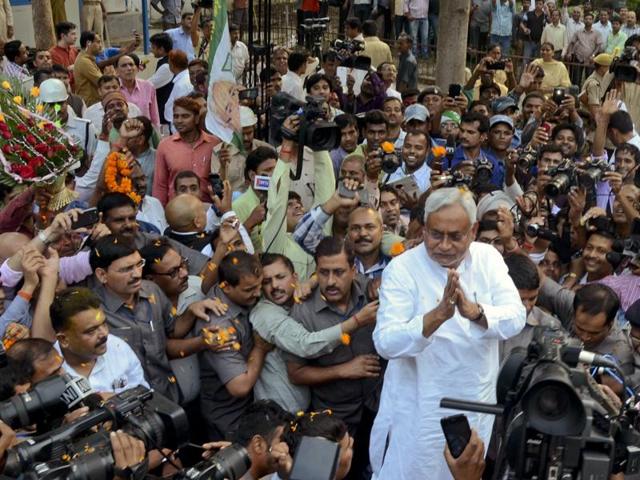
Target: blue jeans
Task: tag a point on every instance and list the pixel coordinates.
(504, 42)
(420, 33)
(531, 50)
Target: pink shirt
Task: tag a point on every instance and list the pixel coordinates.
(174, 155)
(144, 97)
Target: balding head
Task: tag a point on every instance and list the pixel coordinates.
(186, 213)
(10, 243)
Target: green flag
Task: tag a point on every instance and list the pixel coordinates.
(223, 104)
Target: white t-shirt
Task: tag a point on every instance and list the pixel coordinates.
(116, 371)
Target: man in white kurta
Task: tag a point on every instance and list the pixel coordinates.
(444, 307)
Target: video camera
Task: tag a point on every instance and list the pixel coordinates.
(230, 463)
(48, 400)
(72, 452)
(558, 422)
(314, 132)
(624, 67)
(347, 53)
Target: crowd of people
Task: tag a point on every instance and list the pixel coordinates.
(344, 302)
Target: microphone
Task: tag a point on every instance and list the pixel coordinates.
(572, 355)
(450, 149)
(75, 391)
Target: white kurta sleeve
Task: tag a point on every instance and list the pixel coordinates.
(505, 313)
(398, 331)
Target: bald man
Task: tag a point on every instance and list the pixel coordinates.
(187, 218)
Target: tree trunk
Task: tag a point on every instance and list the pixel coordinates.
(452, 42)
(43, 24)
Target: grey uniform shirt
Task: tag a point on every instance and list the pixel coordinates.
(559, 301)
(220, 410)
(197, 260)
(346, 398)
(273, 323)
(145, 327)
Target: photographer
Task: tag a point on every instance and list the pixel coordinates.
(413, 164)
(473, 133)
(284, 210)
(589, 315)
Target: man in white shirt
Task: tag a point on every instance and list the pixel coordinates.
(630, 27)
(88, 350)
(414, 155)
(239, 53)
(441, 337)
(293, 81)
(179, 66)
(555, 33)
(603, 26)
(573, 23)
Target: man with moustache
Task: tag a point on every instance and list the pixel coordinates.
(364, 231)
(441, 337)
(138, 311)
(347, 380)
(271, 320)
(83, 339)
(119, 215)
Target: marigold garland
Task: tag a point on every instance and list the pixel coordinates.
(439, 151)
(117, 166)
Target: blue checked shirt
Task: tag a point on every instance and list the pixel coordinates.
(309, 232)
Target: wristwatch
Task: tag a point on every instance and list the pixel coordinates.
(480, 315)
(135, 472)
(43, 238)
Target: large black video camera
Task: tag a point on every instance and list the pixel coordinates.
(72, 452)
(314, 132)
(47, 401)
(558, 423)
(624, 67)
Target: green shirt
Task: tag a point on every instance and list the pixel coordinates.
(243, 206)
(615, 42)
(275, 238)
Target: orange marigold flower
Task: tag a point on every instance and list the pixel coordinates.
(345, 338)
(396, 249)
(439, 151)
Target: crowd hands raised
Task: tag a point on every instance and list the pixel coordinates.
(273, 308)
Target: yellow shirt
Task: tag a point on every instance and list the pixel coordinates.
(555, 74)
(377, 50)
(86, 74)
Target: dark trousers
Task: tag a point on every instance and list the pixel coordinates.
(401, 25)
(360, 466)
(387, 26)
(363, 12)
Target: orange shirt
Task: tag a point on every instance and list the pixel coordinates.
(65, 57)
